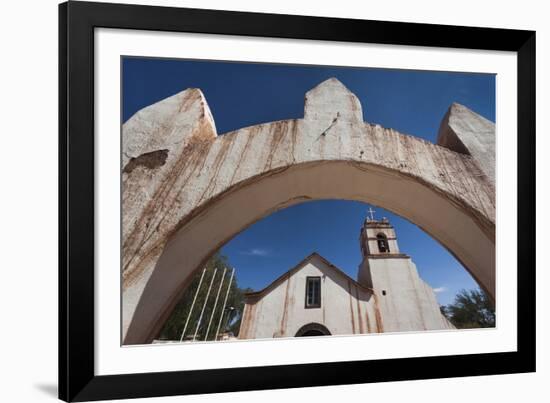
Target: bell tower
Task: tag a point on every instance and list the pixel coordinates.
(378, 243)
(377, 238)
(404, 300)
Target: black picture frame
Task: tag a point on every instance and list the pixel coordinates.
(77, 21)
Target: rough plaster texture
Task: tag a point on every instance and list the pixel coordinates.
(177, 213)
(406, 302)
(464, 131)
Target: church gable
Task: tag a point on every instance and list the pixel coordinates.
(314, 295)
(313, 265)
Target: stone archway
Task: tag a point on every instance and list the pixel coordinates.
(312, 329)
(187, 191)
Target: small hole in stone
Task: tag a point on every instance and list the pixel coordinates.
(149, 160)
(383, 292)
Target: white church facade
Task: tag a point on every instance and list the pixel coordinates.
(316, 298)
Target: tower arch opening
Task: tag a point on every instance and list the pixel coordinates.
(382, 241)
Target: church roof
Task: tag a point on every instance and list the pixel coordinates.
(296, 268)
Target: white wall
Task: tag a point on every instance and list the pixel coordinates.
(28, 293)
(340, 312)
(408, 304)
(403, 300)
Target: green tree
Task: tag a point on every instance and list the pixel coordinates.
(470, 309)
(231, 320)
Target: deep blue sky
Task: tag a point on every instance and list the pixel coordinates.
(244, 94)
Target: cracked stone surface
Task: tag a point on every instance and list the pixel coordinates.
(178, 210)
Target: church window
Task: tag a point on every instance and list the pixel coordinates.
(313, 292)
(383, 246)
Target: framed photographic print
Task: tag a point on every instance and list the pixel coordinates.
(257, 201)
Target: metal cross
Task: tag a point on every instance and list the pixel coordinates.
(371, 211)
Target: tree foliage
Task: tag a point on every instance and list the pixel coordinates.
(471, 309)
(231, 320)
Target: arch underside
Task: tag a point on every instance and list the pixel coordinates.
(466, 232)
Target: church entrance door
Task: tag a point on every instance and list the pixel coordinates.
(312, 329)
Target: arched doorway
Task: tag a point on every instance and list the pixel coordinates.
(312, 329)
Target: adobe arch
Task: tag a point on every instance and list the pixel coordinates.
(189, 191)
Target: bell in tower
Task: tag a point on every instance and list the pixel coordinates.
(377, 237)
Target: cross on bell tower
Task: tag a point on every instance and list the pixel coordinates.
(371, 212)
